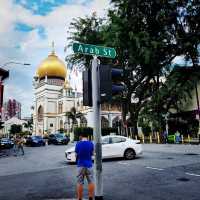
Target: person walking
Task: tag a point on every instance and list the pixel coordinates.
(84, 150)
(20, 145)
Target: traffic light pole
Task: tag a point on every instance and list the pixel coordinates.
(97, 129)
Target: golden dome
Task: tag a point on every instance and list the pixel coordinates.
(52, 66)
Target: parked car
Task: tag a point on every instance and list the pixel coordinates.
(35, 141)
(58, 138)
(113, 146)
(6, 143)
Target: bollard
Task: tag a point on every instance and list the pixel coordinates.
(182, 139)
(143, 138)
(188, 138)
(150, 138)
(158, 136)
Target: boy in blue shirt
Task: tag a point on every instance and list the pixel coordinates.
(84, 151)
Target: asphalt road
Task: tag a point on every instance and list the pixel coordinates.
(164, 172)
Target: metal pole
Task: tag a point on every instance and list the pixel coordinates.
(97, 130)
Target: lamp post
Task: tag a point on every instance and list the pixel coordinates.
(16, 63)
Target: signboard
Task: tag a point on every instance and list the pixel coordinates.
(90, 49)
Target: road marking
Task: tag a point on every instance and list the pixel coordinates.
(159, 169)
(123, 163)
(191, 174)
(63, 199)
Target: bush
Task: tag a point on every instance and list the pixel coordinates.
(146, 130)
(108, 131)
(89, 132)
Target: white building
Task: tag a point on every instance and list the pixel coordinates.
(54, 97)
(10, 122)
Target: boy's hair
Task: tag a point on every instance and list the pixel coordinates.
(83, 134)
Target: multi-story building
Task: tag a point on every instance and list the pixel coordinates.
(11, 108)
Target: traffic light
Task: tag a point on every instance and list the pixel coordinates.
(87, 88)
(111, 83)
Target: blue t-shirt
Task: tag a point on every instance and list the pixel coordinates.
(84, 151)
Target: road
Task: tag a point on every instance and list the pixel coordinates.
(164, 172)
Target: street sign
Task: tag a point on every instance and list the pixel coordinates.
(90, 49)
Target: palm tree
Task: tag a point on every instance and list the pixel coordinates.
(73, 115)
(29, 125)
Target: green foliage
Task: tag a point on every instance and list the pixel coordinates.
(89, 131)
(146, 130)
(79, 130)
(24, 133)
(15, 129)
(147, 35)
(85, 30)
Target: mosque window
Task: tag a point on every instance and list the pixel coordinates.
(40, 113)
(60, 107)
(104, 122)
(61, 124)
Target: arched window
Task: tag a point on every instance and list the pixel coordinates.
(116, 122)
(60, 107)
(40, 113)
(61, 124)
(104, 122)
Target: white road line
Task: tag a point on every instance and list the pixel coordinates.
(159, 169)
(191, 174)
(123, 163)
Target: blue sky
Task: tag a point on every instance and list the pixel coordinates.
(27, 30)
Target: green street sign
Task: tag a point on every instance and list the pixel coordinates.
(94, 50)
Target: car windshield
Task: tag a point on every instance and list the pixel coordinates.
(59, 135)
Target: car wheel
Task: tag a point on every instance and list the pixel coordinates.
(129, 154)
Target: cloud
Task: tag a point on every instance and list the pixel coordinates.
(33, 44)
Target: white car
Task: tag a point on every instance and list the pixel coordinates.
(113, 146)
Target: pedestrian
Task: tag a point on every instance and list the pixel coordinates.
(20, 145)
(15, 145)
(84, 151)
(165, 136)
(177, 137)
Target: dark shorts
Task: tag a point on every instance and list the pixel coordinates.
(84, 172)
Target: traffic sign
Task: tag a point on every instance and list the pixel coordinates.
(90, 49)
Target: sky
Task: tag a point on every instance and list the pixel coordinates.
(27, 30)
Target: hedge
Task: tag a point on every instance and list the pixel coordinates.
(89, 131)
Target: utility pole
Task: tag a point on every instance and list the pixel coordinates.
(97, 129)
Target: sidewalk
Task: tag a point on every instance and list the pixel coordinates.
(172, 148)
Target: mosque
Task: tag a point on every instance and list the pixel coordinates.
(54, 97)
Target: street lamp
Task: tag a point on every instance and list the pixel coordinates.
(17, 63)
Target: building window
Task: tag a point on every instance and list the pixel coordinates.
(40, 113)
(51, 125)
(60, 107)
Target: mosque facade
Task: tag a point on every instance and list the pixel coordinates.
(54, 97)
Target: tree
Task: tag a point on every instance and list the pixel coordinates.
(73, 115)
(29, 125)
(148, 35)
(85, 30)
(14, 129)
